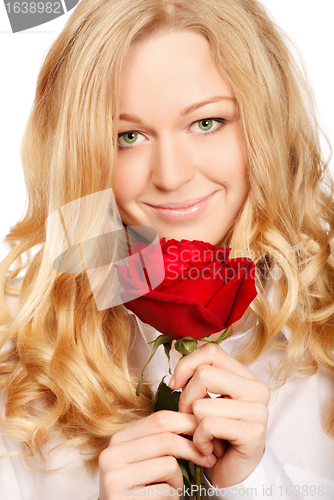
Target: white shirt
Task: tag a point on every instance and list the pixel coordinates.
(299, 455)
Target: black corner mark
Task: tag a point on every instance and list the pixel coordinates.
(25, 14)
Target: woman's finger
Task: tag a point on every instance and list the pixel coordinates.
(163, 491)
(149, 447)
(160, 421)
(243, 436)
(220, 381)
(209, 354)
(219, 447)
(249, 411)
(164, 470)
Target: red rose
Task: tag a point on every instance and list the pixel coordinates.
(183, 259)
(203, 292)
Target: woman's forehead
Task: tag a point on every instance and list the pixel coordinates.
(178, 65)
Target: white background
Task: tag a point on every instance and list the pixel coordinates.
(308, 23)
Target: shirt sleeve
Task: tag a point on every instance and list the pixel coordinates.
(268, 480)
(9, 483)
(68, 480)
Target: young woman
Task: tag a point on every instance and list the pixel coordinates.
(171, 104)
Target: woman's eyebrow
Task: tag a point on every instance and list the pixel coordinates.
(184, 112)
(197, 105)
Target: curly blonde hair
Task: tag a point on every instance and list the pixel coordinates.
(64, 364)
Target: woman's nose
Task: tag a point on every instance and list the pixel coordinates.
(171, 164)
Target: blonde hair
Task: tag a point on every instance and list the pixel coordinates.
(66, 368)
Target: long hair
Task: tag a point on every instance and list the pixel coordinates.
(64, 364)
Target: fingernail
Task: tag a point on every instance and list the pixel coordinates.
(172, 382)
(212, 459)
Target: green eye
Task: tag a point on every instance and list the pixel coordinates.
(207, 124)
(130, 137)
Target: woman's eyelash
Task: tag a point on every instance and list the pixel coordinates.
(219, 120)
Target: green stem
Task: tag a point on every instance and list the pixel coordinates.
(223, 335)
(185, 346)
(162, 339)
(197, 468)
(198, 481)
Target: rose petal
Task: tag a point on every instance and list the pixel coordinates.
(205, 284)
(237, 294)
(202, 291)
(175, 316)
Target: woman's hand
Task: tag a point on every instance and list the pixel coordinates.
(232, 426)
(143, 454)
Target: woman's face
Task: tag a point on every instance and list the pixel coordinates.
(179, 141)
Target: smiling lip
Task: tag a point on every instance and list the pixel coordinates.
(189, 210)
(182, 204)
